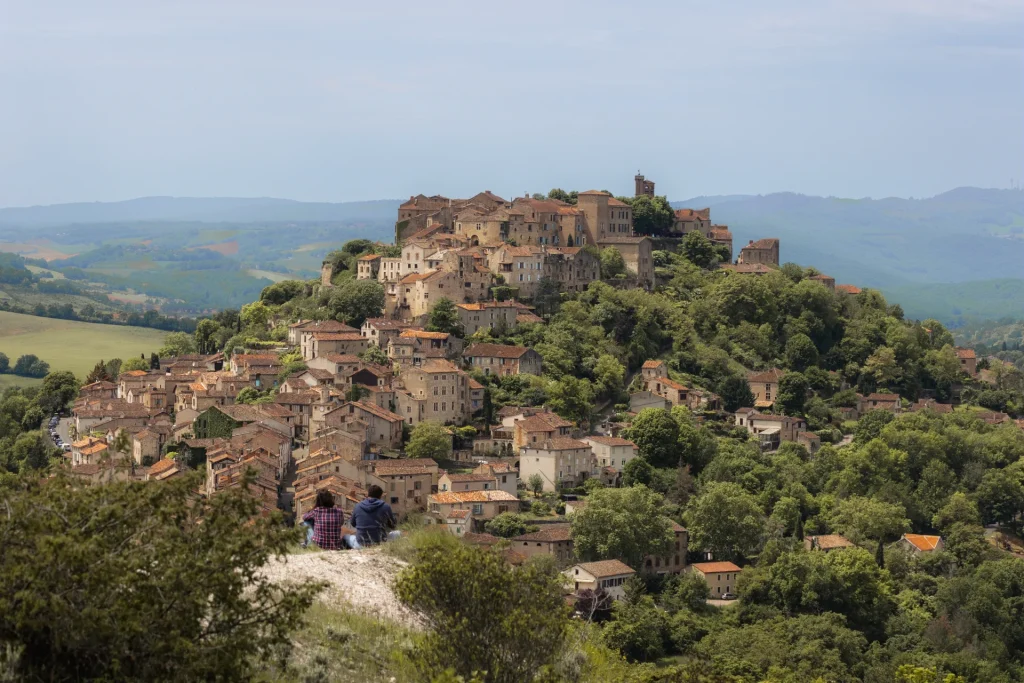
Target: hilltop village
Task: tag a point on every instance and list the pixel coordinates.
(600, 386)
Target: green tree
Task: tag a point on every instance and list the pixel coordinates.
(29, 365)
(656, 435)
(444, 317)
(726, 520)
(572, 398)
(652, 215)
(5, 363)
(375, 354)
(736, 394)
(792, 396)
(32, 451)
(870, 425)
(255, 315)
(177, 344)
(484, 615)
(882, 367)
(508, 525)
(133, 364)
(801, 352)
(638, 630)
(1000, 497)
(863, 518)
(637, 471)
(959, 509)
(535, 483)
(609, 376)
(698, 249)
(57, 391)
(430, 440)
(206, 335)
(132, 564)
(354, 301)
(612, 263)
(98, 374)
(625, 524)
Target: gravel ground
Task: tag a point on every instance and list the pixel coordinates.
(360, 578)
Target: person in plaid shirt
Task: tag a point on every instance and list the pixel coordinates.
(324, 522)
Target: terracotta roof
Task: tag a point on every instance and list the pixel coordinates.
(387, 324)
(423, 334)
(495, 351)
(883, 397)
(86, 469)
(624, 239)
(527, 317)
(480, 539)
(338, 336)
(134, 373)
(547, 532)
(765, 243)
(848, 289)
(811, 436)
(162, 465)
(611, 441)
(830, 541)
(458, 514)
(377, 411)
(965, 354)
(369, 257)
(559, 444)
(449, 497)
(772, 375)
(524, 251)
(652, 364)
(921, 542)
(612, 201)
(542, 422)
(720, 234)
(468, 477)
(436, 365)
(672, 384)
(715, 567)
(343, 358)
(606, 568)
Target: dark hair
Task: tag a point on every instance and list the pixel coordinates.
(375, 491)
(324, 499)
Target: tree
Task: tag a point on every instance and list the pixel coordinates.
(801, 352)
(548, 297)
(354, 301)
(483, 614)
(133, 364)
(57, 391)
(572, 398)
(863, 518)
(563, 196)
(792, 396)
(736, 393)
(535, 483)
(882, 367)
(123, 590)
(637, 472)
(206, 335)
(177, 344)
(1000, 497)
(698, 249)
(959, 509)
(255, 315)
(375, 354)
(638, 630)
(625, 524)
(870, 425)
(5, 363)
(652, 215)
(508, 525)
(609, 376)
(29, 365)
(98, 374)
(32, 451)
(726, 520)
(444, 317)
(612, 263)
(356, 392)
(430, 440)
(656, 435)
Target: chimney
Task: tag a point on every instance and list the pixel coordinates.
(751, 242)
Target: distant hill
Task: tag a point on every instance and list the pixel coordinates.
(958, 236)
(208, 210)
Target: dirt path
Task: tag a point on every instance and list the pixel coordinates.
(361, 578)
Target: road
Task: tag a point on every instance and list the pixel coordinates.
(62, 429)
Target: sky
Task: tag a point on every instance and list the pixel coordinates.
(339, 101)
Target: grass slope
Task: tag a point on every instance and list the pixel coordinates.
(71, 345)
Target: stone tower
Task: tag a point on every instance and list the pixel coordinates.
(643, 187)
(326, 271)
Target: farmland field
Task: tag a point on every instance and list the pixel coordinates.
(16, 381)
(71, 345)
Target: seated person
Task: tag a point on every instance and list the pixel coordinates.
(324, 522)
(373, 519)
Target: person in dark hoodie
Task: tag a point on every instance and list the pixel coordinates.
(373, 519)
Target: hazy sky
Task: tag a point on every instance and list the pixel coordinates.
(336, 101)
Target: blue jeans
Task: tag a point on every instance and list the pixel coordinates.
(352, 542)
(309, 533)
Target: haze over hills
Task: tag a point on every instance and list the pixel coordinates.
(956, 256)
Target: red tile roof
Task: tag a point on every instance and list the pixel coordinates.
(921, 542)
(606, 568)
(551, 533)
(611, 441)
(715, 567)
(495, 351)
(652, 364)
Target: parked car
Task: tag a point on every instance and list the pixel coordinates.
(728, 596)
